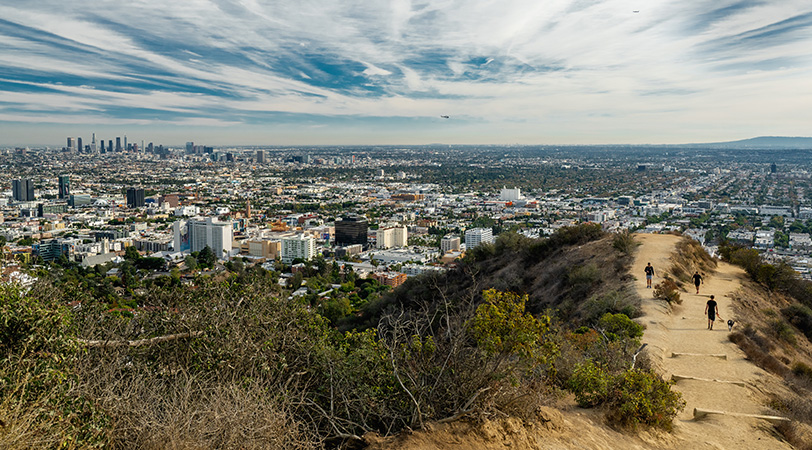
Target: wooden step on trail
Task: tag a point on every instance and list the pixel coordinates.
(775, 420)
(676, 378)
(712, 355)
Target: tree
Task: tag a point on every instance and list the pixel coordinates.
(207, 258)
(131, 254)
(191, 262)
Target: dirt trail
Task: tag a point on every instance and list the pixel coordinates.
(683, 329)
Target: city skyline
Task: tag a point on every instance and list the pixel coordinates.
(337, 72)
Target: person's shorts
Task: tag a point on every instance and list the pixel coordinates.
(711, 316)
(648, 277)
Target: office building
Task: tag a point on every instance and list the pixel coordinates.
(102, 145)
(79, 200)
(93, 143)
(261, 159)
(79, 146)
(450, 243)
(476, 236)
(22, 190)
(351, 230)
(51, 208)
(118, 144)
(298, 247)
(194, 235)
(109, 146)
(64, 187)
(135, 197)
(125, 143)
(391, 237)
(71, 144)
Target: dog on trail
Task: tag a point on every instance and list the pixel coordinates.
(730, 323)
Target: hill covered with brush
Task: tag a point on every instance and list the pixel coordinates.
(234, 361)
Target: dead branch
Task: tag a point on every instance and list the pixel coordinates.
(139, 342)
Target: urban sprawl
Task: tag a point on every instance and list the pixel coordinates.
(386, 212)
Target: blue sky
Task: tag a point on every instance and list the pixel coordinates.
(359, 72)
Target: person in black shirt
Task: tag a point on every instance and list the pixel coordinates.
(649, 275)
(698, 280)
(712, 310)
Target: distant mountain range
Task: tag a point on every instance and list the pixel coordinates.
(765, 142)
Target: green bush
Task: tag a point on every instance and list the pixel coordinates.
(619, 326)
(611, 302)
(643, 398)
(781, 330)
(667, 290)
(802, 370)
(800, 316)
(590, 384)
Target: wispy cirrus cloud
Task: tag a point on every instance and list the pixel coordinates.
(553, 71)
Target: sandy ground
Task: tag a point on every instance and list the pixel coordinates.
(683, 329)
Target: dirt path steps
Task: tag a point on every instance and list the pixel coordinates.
(711, 371)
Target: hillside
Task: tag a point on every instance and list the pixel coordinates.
(679, 328)
(763, 142)
(527, 344)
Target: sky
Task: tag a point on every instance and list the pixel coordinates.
(343, 72)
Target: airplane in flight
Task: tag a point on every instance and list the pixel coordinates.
(444, 117)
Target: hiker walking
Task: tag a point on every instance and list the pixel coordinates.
(698, 280)
(712, 310)
(649, 275)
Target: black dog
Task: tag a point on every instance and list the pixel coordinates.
(730, 323)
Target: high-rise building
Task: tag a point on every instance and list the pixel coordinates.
(23, 190)
(261, 157)
(102, 145)
(79, 147)
(351, 230)
(125, 143)
(773, 168)
(135, 197)
(190, 148)
(476, 236)
(194, 235)
(93, 143)
(118, 144)
(110, 146)
(298, 247)
(64, 186)
(71, 144)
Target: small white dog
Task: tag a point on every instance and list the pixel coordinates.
(730, 323)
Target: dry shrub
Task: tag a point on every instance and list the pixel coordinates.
(690, 257)
(667, 290)
(189, 412)
(799, 435)
(759, 356)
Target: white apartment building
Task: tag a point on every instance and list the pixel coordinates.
(450, 243)
(194, 235)
(392, 237)
(476, 236)
(510, 195)
(300, 246)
